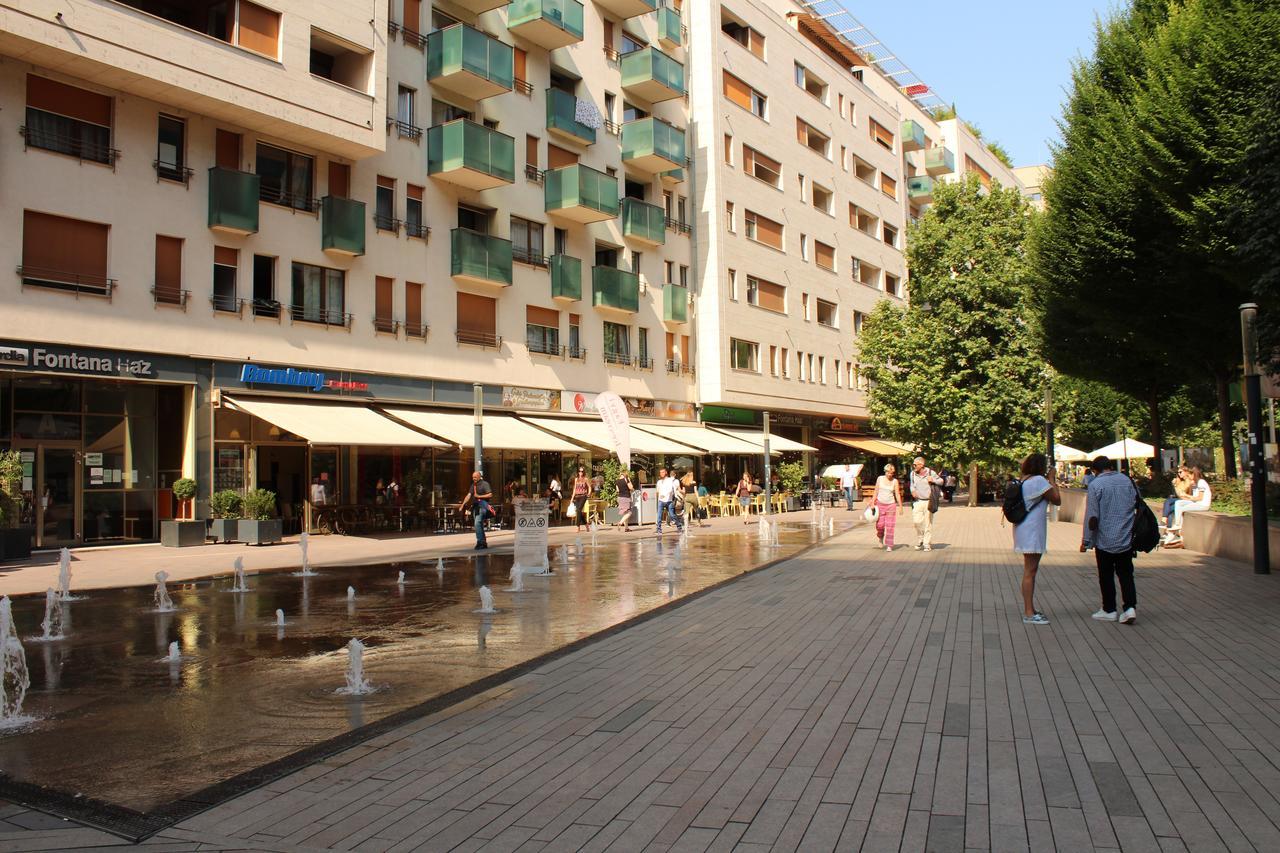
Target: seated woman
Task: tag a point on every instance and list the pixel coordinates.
(1200, 500)
(1182, 486)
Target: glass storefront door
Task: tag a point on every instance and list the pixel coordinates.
(57, 496)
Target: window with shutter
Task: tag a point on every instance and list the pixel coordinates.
(413, 325)
(168, 283)
(64, 253)
(383, 298)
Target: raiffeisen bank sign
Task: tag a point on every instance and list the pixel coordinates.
(314, 380)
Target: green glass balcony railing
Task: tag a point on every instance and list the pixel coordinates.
(669, 28)
(480, 257)
(342, 225)
(674, 176)
(913, 138)
(644, 221)
(627, 8)
(471, 154)
(652, 74)
(939, 161)
(549, 23)
(561, 109)
(581, 193)
(615, 288)
(233, 200)
(675, 303)
(466, 61)
(920, 188)
(566, 277)
(652, 144)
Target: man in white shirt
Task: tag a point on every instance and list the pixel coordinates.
(666, 488)
(849, 482)
(922, 482)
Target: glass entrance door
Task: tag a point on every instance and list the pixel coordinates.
(57, 497)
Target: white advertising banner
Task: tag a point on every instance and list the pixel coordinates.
(531, 535)
(613, 412)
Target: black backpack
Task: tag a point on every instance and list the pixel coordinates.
(1146, 530)
(1014, 507)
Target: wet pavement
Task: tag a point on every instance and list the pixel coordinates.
(118, 723)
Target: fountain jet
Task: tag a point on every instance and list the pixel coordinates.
(164, 604)
(51, 627)
(14, 678)
(357, 685)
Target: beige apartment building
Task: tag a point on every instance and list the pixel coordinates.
(281, 243)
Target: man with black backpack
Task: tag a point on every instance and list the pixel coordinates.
(1109, 530)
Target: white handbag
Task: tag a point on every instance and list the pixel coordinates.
(871, 513)
(572, 510)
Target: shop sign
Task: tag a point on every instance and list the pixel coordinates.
(530, 399)
(74, 361)
(839, 425)
(314, 380)
(729, 415)
(584, 403)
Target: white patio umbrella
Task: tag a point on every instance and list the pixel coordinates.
(1127, 449)
(837, 470)
(1066, 453)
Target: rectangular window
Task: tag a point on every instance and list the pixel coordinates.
(264, 287)
(741, 33)
(168, 283)
(728, 149)
(617, 343)
(542, 330)
(822, 198)
(824, 255)
(575, 336)
(319, 295)
(844, 158)
(339, 179)
(762, 229)
(341, 61)
(668, 272)
(773, 360)
(753, 290)
(383, 299)
(804, 306)
(766, 294)
(826, 313)
(526, 242)
(971, 165)
(891, 235)
(226, 262)
(227, 149)
(171, 149)
(804, 247)
(800, 363)
(760, 167)
(413, 325)
(744, 355)
(808, 358)
(858, 318)
(684, 276)
(838, 372)
(892, 285)
(863, 220)
(258, 29)
(642, 347)
(477, 319)
(68, 120)
(813, 84)
(287, 178)
(888, 186)
(413, 226)
(384, 206)
(733, 285)
(866, 273)
(881, 134)
(730, 217)
(822, 369)
(741, 93)
(864, 171)
(784, 360)
(813, 139)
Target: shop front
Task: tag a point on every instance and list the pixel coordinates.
(102, 436)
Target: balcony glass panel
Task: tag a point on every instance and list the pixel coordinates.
(566, 277)
(565, 15)
(912, 135)
(479, 256)
(464, 144)
(561, 115)
(675, 304)
(644, 221)
(233, 200)
(579, 187)
(342, 225)
(615, 288)
(653, 143)
(460, 48)
(939, 161)
(653, 74)
(669, 27)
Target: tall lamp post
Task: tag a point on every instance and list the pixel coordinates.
(1257, 458)
(768, 467)
(477, 391)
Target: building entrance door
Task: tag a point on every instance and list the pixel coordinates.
(57, 496)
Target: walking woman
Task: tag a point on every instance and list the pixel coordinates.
(1030, 537)
(887, 500)
(744, 496)
(581, 491)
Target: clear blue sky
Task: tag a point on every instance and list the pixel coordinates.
(1005, 64)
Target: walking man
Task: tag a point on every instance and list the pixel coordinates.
(478, 498)
(922, 482)
(849, 482)
(666, 487)
(1108, 530)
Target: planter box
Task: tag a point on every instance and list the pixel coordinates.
(225, 529)
(611, 515)
(793, 503)
(253, 532)
(182, 534)
(15, 543)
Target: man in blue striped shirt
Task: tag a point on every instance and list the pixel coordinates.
(1108, 529)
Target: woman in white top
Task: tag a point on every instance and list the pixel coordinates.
(1200, 500)
(1030, 537)
(887, 500)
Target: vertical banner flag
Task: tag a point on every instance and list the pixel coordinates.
(614, 414)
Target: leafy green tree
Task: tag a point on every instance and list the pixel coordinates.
(1259, 220)
(958, 370)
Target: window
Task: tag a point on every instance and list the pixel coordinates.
(68, 120)
(744, 355)
(413, 226)
(865, 273)
(383, 299)
(631, 43)
(264, 287)
(168, 281)
(800, 363)
(826, 313)
(443, 112)
(728, 149)
(804, 247)
(339, 179)
(773, 361)
(892, 285)
(286, 177)
(560, 236)
(225, 264)
(888, 186)
(740, 92)
(682, 210)
(171, 149)
(822, 369)
(407, 114)
(733, 285)
(823, 199)
(800, 185)
(684, 276)
(844, 158)
(477, 320)
(610, 104)
(575, 336)
(558, 158)
(339, 60)
(881, 134)
(763, 230)
(526, 242)
(863, 220)
(258, 29)
(824, 255)
(804, 306)
(668, 272)
(735, 29)
(858, 319)
(384, 206)
(642, 347)
(760, 167)
(891, 235)
(784, 361)
(766, 294)
(838, 372)
(812, 84)
(668, 204)
(808, 357)
(617, 343)
(810, 137)
(319, 294)
(542, 330)
(730, 217)
(864, 171)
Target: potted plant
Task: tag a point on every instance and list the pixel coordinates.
(791, 475)
(261, 524)
(182, 531)
(224, 506)
(15, 541)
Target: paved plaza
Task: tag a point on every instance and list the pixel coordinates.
(846, 699)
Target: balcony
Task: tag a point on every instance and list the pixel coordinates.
(480, 259)
(547, 23)
(479, 6)
(620, 358)
(644, 222)
(342, 227)
(913, 138)
(675, 304)
(69, 280)
(566, 278)
(615, 289)
(233, 201)
(469, 63)
(670, 30)
(652, 145)
(470, 155)
(673, 176)
(627, 8)
(920, 189)
(561, 109)
(651, 75)
(478, 338)
(581, 194)
(939, 161)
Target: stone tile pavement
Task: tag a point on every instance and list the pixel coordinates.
(847, 699)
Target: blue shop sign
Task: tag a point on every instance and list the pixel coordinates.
(253, 374)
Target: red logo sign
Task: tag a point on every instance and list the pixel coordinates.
(579, 403)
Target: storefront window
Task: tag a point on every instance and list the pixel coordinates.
(232, 425)
(46, 395)
(228, 467)
(119, 398)
(6, 407)
(119, 453)
(47, 426)
(324, 476)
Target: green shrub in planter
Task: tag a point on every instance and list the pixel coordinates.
(224, 506)
(15, 541)
(261, 524)
(184, 488)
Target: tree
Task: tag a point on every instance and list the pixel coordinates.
(1259, 219)
(958, 370)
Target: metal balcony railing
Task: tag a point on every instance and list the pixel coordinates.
(172, 172)
(479, 339)
(386, 325)
(168, 295)
(71, 144)
(321, 316)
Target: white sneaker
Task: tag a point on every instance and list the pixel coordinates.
(1106, 616)
(888, 548)
(1129, 616)
(928, 547)
(919, 547)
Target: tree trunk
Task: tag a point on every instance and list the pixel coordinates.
(1226, 426)
(973, 484)
(1157, 435)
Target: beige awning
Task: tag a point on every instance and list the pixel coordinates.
(593, 432)
(776, 442)
(334, 423)
(501, 432)
(874, 446)
(710, 440)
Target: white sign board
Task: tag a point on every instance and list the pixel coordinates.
(614, 414)
(531, 535)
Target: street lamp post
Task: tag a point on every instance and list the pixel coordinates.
(1257, 458)
(768, 468)
(477, 390)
